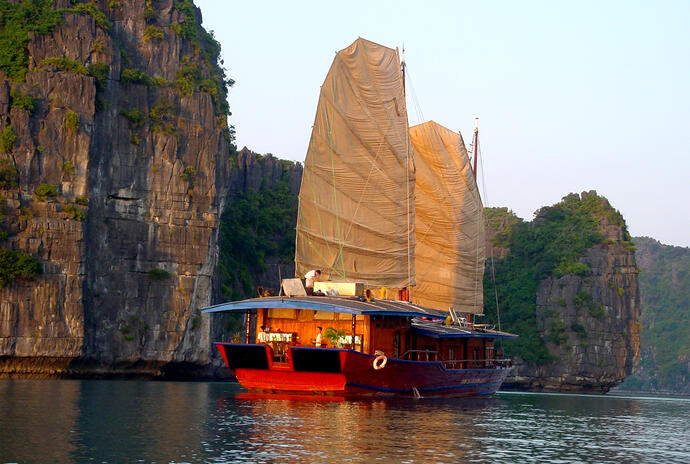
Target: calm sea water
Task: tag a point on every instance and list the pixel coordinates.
(137, 421)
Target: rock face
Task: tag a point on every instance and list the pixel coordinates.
(147, 166)
(589, 322)
(665, 301)
(257, 172)
(601, 333)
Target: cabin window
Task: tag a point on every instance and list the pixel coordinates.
(396, 345)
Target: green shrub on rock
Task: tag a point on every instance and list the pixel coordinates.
(16, 265)
(7, 139)
(44, 191)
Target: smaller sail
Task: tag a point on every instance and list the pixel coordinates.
(449, 223)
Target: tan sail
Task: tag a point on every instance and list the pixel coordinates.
(449, 242)
(356, 210)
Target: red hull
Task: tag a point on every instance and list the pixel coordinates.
(351, 373)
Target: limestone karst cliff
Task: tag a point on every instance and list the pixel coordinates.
(121, 166)
(665, 302)
(568, 285)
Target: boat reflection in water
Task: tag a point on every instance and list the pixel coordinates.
(288, 428)
(129, 421)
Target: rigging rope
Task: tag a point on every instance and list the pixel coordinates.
(413, 94)
(491, 250)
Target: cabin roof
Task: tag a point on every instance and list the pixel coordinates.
(333, 304)
(436, 329)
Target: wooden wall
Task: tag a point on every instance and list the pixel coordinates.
(305, 322)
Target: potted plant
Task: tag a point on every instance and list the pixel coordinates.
(335, 336)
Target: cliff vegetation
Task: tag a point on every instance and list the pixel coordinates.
(665, 302)
(257, 225)
(549, 276)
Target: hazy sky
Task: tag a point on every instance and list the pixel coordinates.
(571, 96)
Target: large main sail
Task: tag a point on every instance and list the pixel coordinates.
(450, 249)
(356, 202)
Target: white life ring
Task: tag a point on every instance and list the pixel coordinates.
(380, 362)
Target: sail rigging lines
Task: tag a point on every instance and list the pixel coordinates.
(415, 102)
(485, 195)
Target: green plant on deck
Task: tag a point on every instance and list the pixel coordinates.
(16, 21)
(7, 139)
(334, 336)
(71, 121)
(81, 200)
(45, 191)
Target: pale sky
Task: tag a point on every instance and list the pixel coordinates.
(571, 96)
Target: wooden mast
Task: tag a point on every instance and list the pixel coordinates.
(475, 146)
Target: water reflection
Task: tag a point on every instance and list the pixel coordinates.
(126, 421)
(35, 416)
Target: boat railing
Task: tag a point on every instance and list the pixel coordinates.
(477, 363)
(430, 355)
(421, 355)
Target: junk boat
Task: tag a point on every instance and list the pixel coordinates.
(392, 217)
